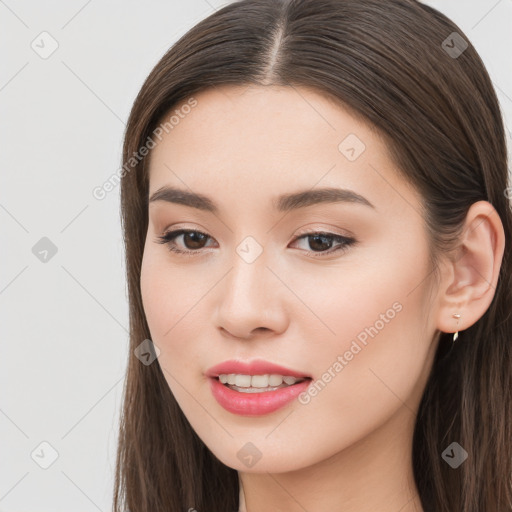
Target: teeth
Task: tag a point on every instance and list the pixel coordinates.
(257, 381)
(277, 380)
(243, 381)
(261, 381)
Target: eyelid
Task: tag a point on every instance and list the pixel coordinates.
(319, 228)
(311, 229)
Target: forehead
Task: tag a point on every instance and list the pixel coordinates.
(246, 142)
(257, 124)
(271, 115)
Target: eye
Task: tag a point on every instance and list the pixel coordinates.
(193, 239)
(320, 242)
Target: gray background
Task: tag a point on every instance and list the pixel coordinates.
(64, 320)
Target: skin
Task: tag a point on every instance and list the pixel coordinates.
(349, 448)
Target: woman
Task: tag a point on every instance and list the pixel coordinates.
(314, 204)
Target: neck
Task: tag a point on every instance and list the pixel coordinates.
(374, 473)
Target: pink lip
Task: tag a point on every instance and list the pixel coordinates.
(258, 367)
(254, 404)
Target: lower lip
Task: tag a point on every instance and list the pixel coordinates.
(255, 404)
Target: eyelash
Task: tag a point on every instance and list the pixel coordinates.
(167, 239)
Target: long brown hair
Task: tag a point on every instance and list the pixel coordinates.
(397, 65)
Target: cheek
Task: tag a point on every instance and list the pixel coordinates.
(373, 309)
(371, 298)
(379, 352)
(166, 292)
(172, 303)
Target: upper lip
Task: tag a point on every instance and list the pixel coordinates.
(256, 367)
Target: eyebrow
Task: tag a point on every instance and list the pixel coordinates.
(282, 203)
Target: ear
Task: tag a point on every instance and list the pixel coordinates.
(470, 282)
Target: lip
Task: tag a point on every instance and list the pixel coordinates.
(256, 367)
(254, 404)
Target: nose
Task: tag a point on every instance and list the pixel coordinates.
(250, 300)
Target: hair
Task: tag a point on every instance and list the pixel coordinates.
(439, 115)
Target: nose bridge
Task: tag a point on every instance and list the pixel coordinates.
(250, 296)
(246, 281)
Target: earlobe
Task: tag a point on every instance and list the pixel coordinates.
(474, 272)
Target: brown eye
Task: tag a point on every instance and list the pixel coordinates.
(322, 243)
(192, 240)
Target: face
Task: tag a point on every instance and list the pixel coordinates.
(333, 289)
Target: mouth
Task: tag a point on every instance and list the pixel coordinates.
(255, 388)
(258, 383)
(255, 368)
